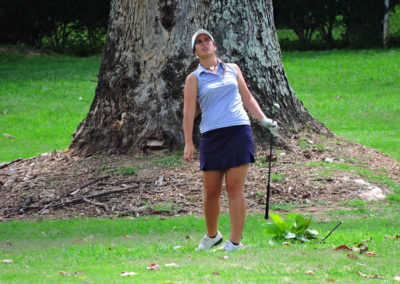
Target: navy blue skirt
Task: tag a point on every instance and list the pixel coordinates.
(228, 147)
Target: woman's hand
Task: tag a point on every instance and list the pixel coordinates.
(188, 152)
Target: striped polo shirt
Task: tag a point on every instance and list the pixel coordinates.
(219, 99)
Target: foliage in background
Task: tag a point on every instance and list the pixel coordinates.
(79, 27)
(64, 26)
(314, 24)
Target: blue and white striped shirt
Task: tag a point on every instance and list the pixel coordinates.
(219, 98)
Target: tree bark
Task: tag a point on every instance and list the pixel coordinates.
(138, 104)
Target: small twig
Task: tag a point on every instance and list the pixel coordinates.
(96, 203)
(45, 207)
(143, 209)
(78, 189)
(338, 224)
(6, 164)
(80, 199)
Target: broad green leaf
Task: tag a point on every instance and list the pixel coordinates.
(273, 229)
(278, 220)
(291, 219)
(301, 224)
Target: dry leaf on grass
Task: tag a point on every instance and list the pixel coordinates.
(153, 266)
(64, 273)
(171, 265)
(331, 280)
(7, 261)
(352, 256)
(343, 247)
(310, 272)
(370, 276)
(128, 273)
(370, 253)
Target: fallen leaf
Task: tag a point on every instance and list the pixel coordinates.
(171, 265)
(286, 244)
(310, 272)
(153, 266)
(346, 268)
(7, 261)
(64, 273)
(8, 136)
(371, 276)
(352, 256)
(216, 273)
(371, 253)
(396, 237)
(343, 247)
(128, 273)
(331, 280)
(396, 278)
(361, 247)
(78, 273)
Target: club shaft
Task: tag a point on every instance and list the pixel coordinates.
(269, 177)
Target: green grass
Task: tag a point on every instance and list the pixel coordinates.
(42, 100)
(355, 93)
(100, 249)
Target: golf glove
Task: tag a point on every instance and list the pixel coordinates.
(270, 124)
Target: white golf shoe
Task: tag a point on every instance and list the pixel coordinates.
(207, 242)
(229, 246)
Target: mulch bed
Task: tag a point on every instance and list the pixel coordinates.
(57, 185)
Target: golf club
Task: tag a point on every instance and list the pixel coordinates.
(275, 109)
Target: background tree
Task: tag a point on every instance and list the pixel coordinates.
(139, 97)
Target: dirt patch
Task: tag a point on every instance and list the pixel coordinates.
(315, 173)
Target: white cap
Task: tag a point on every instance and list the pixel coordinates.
(199, 32)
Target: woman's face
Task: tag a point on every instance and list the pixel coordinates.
(203, 45)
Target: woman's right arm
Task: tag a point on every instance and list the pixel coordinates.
(190, 109)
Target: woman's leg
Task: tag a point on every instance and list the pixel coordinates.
(212, 181)
(235, 179)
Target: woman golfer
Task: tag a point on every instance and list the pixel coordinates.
(218, 89)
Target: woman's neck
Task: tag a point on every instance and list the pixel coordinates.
(209, 63)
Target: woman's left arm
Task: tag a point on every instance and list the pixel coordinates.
(249, 102)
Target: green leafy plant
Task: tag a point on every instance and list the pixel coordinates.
(294, 228)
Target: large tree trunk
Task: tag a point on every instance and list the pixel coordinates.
(139, 97)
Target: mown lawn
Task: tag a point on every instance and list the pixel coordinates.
(355, 93)
(99, 250)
